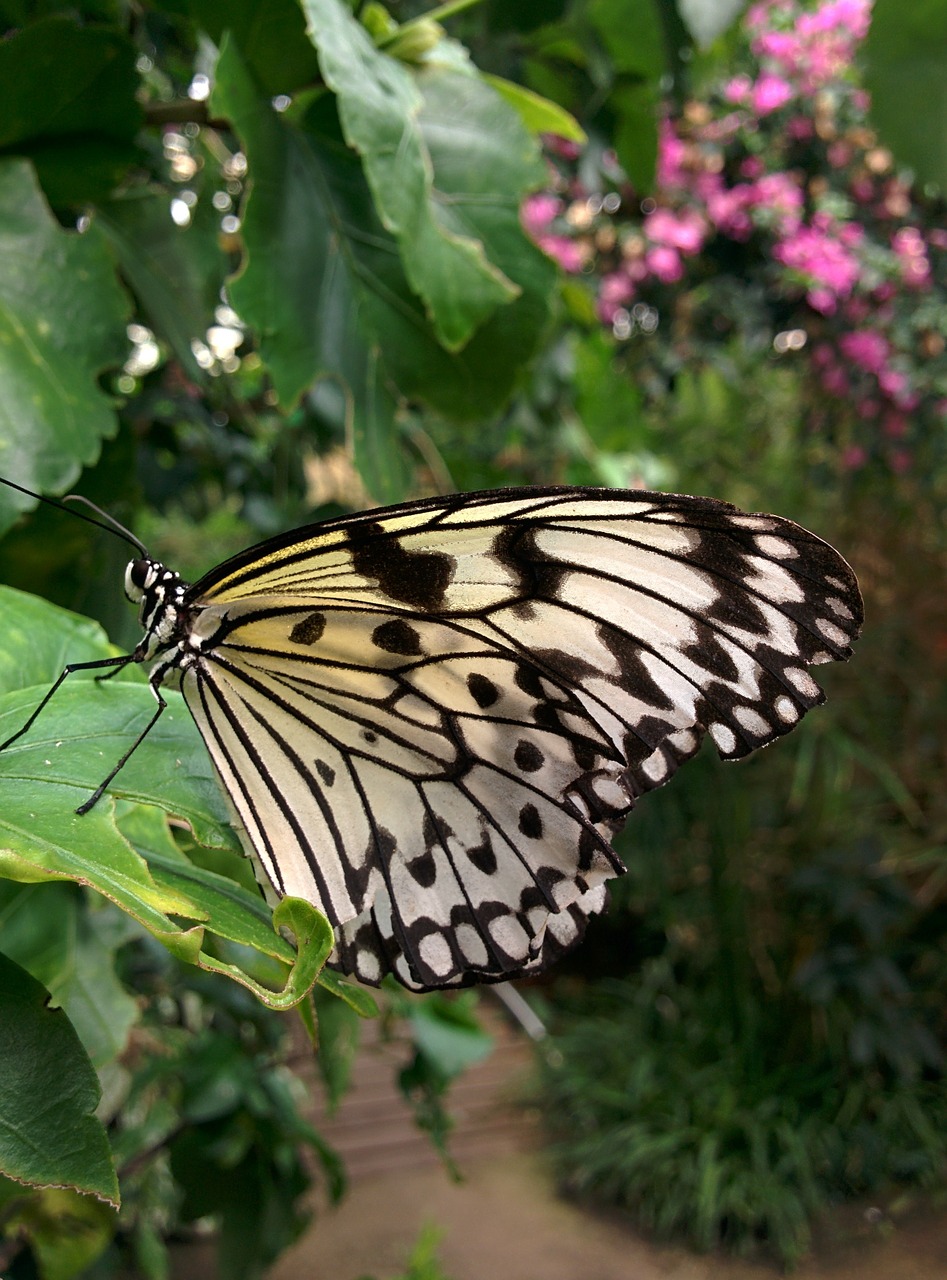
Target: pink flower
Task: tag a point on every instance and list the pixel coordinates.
(780, 194)
(538, 211)
(665, 264)
(751, 168)
(824, 260)
(770, 93)
(846, 17)
(569, 254)
(737, 90)
(615, 290)
(560, 146)
(854, 457)
(616, 287)
(822, 300)
(672, 153)
(867, 348)
(835, 381)
(893, 382)
(908, 244)
(781, 46)
(800, 128)
(684, 230)
(728, 209)
(863, 189)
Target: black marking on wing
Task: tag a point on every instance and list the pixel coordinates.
(416, 578)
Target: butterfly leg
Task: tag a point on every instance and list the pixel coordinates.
(117, 663)
(97, 794)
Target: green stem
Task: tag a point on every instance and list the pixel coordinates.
(444, 11)
(440, 14)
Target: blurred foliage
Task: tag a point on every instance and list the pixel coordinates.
(423, 1264)
(240, 339)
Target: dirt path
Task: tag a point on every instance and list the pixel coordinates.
(506, 1223)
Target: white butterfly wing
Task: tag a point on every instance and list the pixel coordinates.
(431, 719)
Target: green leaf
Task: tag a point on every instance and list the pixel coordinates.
(488, 163)
(67, 1232)
(322, 282)
(362, 1001)
(636, 136)
(62, 321)
(314, 941)
(708, 19)
(58, 79)
(271, 38)
(231, 911)
(67, 101)
(39, 639)
(448, 1034)
(49, 1135)
(53, 932)
(380, 107)
(337, 1043)
(632, 35)
(75, 172)
(56, 765)
(906, 51)
(175, 272)
(538, 114)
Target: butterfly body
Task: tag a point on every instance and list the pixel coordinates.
(432, 719)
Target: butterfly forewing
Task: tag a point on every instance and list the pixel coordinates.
(431, 719)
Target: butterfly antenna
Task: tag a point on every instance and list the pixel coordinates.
(107, 522)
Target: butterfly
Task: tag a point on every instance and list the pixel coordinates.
(432, 719)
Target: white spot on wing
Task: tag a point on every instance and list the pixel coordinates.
(724, 737)
(435, 952)
(752, 721)
(778, 547)
(800, 679)
(831, 631)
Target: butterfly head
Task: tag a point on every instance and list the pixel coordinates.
(159, 593)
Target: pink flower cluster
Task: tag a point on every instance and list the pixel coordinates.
(823, 255)
(759, 183)
(802, 52)
(538, 213)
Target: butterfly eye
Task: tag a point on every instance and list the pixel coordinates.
(136, 575)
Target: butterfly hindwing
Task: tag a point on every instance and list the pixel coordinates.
(451, 792)
(431, 719)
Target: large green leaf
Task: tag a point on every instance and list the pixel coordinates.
(322, 283)
(62, 321)
(67, 101)
(380, 107)
(58, 79)
(49, 1135)
(56, 765)
(907, 76)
